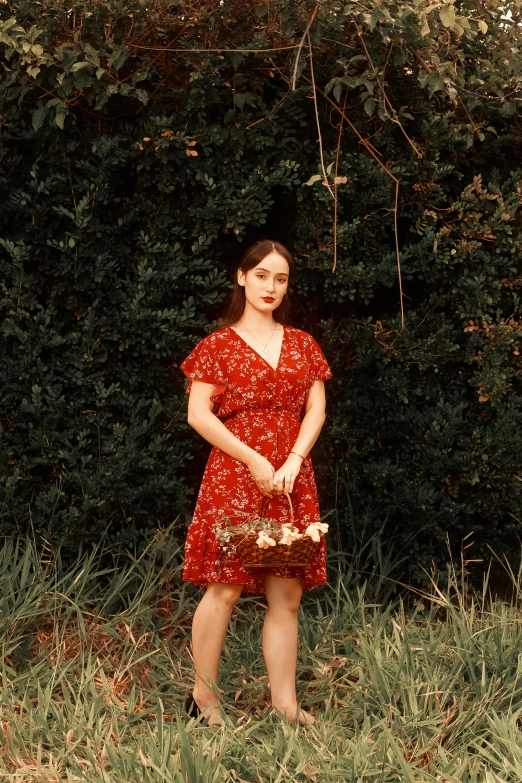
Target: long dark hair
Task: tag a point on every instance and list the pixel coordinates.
(253, 256)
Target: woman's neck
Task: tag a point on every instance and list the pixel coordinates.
(256, 321)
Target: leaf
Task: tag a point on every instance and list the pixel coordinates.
(313, 179)
(77, 66)
(235, 58)
(33, 71)
(483, 26)
(99, 73)
(369, 106)
(340, 180)
(8, 23)
(39, 117)
(139, 77)
(59, 119)
(117, 58)
(142, 96)
(447, 16)
(425, 29)
(190, 152)
(101, 100)
(261, 10)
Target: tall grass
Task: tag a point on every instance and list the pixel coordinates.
(404, 686)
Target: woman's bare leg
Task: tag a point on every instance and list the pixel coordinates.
(280, 643)
(209, 627)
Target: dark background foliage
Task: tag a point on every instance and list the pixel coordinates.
(132, 177)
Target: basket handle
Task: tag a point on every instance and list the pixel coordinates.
(266, 501)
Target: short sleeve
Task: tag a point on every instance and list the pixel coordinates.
(319, 369)
(202, 364)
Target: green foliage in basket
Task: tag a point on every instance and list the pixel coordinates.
(252, 523)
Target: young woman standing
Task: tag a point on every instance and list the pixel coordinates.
(257, 395)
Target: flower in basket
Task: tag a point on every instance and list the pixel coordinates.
(264, 541)
(289, 534)
(315, 530)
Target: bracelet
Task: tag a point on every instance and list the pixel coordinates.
(299, 455)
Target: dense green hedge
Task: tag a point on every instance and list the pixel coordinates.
(132, 176)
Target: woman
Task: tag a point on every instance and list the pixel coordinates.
(257, 395)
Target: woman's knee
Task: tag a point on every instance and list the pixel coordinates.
(224, 593)
(283, 594)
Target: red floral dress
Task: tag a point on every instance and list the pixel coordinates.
(263, 407)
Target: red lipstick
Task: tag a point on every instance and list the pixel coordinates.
(268, 299)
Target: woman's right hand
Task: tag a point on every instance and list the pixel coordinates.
(262, 472)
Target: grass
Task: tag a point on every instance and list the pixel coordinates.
(404, 687)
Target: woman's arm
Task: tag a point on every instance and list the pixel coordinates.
(210, 427)
(311, 425)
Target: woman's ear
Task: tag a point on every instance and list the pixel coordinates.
(240, 277)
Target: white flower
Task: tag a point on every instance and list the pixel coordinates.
(264, 541)
(289, 535)
(316, 529)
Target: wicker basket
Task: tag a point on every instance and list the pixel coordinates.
(298, 553)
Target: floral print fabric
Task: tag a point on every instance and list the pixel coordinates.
(264, 408)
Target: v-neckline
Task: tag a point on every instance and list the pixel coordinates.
(274, 369)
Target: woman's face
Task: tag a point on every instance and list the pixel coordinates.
(266, 284)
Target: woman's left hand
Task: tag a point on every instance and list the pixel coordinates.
(286, 475)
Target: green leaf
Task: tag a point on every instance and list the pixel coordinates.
(261, 10)
(117, 58)
(483, 26)
(316, 33)
(369, 106)
(142, 96)
(91, 55)
(8, 23)
(425, 29)
(39, 117)
(374, 18)
(78, 66)
(59, 119)
(139, 77)
(235, 58)
(101, 100)
(447, 16)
